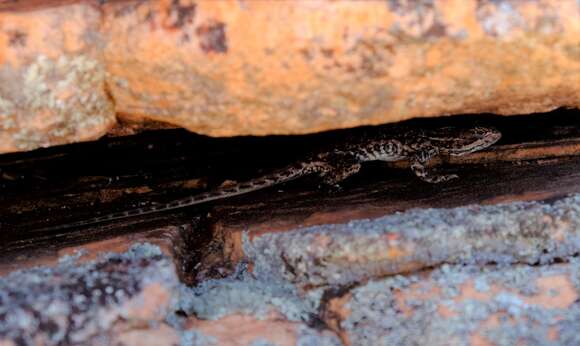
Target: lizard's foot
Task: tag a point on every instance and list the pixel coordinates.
(428, 175)
(435, 179)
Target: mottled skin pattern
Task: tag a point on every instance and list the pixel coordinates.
(335, 165)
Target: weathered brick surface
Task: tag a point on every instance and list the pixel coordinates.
(69, 69)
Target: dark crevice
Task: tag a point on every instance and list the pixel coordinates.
(49, 187)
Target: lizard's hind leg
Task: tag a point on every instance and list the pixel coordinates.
(339, 173)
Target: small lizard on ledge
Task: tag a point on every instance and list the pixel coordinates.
(334, 165)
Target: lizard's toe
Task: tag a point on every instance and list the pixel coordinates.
(444, 178)
(439, 178)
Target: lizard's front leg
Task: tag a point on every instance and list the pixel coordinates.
(419, 166)
(339, 167)
(340, 173)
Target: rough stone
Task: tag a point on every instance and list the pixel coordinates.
(134, 298)
(76, 304)
(347, 253)
(69, 69)
(246, 330)
(520, 304)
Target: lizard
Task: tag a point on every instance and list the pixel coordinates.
(418, 146)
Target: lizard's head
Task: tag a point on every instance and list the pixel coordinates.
(456, 142)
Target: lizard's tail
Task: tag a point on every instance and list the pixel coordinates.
(288, 174)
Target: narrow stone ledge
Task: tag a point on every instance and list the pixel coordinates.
(344, 254)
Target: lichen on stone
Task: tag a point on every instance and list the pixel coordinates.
(63, 100)
(521, 232)
(244, 294)
(383, 312)
(7, 110)
(72, 303)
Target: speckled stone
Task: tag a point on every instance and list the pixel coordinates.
(69, 69)
(77, 304)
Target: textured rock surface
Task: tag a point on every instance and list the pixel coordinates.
(68, 70)
(90, 303)
(484, 298)
(52, 78)
(523, 232)
(458, 305)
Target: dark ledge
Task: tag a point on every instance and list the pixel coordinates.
(535, 160)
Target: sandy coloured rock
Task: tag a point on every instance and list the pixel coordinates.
(70, 70)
